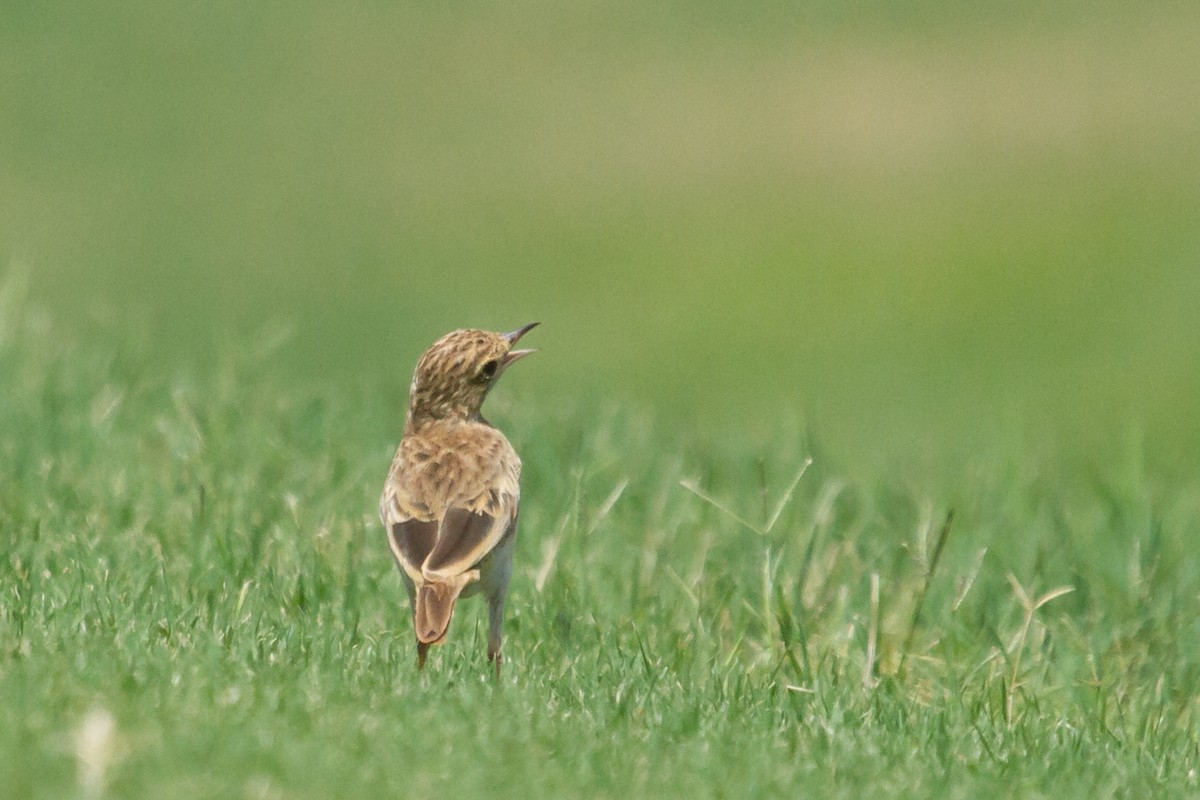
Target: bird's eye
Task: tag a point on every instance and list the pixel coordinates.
(489, 369)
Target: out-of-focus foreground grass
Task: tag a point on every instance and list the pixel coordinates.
(906, 228)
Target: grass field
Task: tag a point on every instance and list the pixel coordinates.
(949, 254)
(198, 602)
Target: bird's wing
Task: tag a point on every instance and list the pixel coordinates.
(412, 529)
(465, 538)
(482, 511)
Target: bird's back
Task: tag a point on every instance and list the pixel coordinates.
(468, 465)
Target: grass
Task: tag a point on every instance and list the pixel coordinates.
(198, 602)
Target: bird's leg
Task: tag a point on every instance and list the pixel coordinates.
(497, 659)
(495, 634)
(422, 649)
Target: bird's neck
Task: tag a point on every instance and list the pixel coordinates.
(420, 419)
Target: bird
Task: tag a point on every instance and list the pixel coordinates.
(449, 503)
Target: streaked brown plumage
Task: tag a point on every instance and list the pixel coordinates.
(450, 501)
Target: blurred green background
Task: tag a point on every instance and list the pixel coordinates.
(906, 226)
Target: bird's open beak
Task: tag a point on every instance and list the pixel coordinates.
(513, 337)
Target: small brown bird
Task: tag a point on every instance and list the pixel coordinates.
(450, 501)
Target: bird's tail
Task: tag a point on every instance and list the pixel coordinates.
(435, 605)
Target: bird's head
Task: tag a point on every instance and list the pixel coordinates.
(455, 374)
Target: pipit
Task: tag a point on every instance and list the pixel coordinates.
(450, 501)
